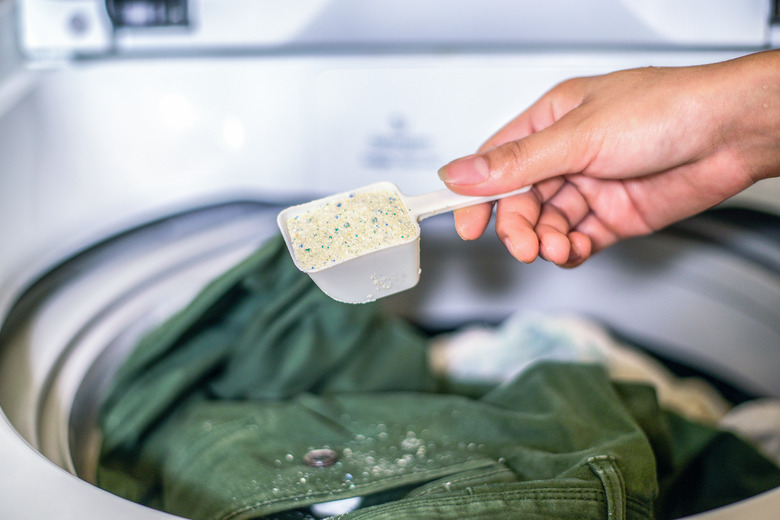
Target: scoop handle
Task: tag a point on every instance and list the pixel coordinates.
(442, 201)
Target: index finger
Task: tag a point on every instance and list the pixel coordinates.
(548, 109)
(559, 149)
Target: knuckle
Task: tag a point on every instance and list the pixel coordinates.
(504, 159)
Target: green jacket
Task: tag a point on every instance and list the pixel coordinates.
(264, 396)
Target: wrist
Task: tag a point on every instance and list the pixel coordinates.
(753, 94)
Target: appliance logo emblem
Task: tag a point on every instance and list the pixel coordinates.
(399, 146)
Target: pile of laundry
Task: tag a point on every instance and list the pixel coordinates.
(264, 398)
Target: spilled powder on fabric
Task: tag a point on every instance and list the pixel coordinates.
(347, 227)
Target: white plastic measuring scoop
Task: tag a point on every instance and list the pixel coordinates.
(364, 244)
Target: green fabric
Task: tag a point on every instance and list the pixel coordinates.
(213, 414)
(514, 437)
(712, 469)
(260, 331)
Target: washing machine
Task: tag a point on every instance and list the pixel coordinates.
(147, 145)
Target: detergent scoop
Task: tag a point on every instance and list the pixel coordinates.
(364, 244)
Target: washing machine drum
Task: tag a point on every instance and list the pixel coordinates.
(704, 294)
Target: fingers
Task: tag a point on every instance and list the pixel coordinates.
(552, 221)
(536, 147)
(581, 249)
(516, 218)
(599, 235)
(561, 214)
(471, 222)
(545, 222)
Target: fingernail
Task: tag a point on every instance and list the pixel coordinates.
(471, 169)
(509, 247)
(461, 232)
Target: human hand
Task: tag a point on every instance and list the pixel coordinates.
(623, 154)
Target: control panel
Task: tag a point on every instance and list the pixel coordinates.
(57, 29)
(147, 13)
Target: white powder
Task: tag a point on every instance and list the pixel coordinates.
(348, 227)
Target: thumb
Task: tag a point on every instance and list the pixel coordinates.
(548, 153)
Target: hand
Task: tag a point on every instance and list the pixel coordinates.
(623, 154)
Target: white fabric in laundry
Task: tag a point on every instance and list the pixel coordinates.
(492, 355)
(757, 422)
